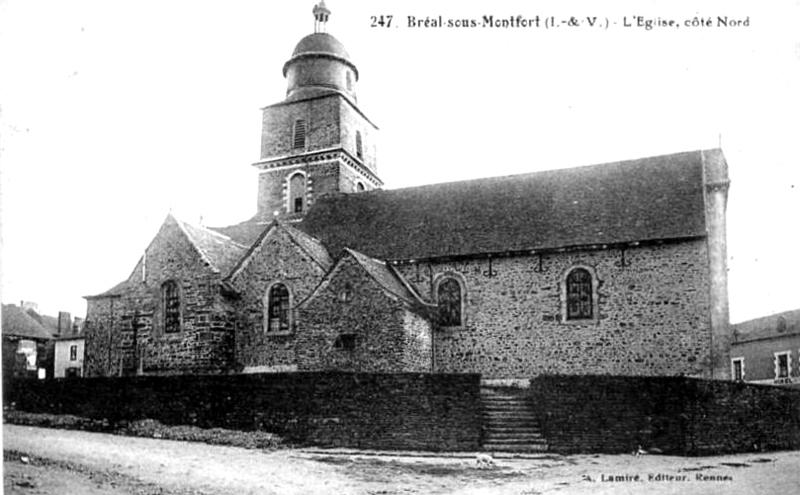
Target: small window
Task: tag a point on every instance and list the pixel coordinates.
(278, 309)
(73, 353)
(346, 294)
(782, 364)
(360, 187)
(737, 369)
(171, 304)
(449, 300)
(299, 137)
(579, 295)
(345, 341)
(297, 193)
(349, 81)
(359, 146)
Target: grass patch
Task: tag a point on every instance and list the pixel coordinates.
(149, 428)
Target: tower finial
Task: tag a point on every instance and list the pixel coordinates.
(321, 14)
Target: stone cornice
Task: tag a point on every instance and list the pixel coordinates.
(330, 154)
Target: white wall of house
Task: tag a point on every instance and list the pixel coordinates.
(69, 355)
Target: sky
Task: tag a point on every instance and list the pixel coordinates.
(115, 113)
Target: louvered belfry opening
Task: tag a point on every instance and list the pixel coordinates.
(299, 141)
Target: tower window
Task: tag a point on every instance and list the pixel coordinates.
(449, 300)
(278, 308)
(579, 295)
(171, 306)
(360, 187)
(359, 146)
(349, 81)
(297, 193)
(299, 137)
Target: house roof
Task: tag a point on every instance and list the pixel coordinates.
(18, 323)
(777, 325)
(656, 198)
(219, 250)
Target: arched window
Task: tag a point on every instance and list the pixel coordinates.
(449, 299)
(359, 146)
(299, 135)
(580, 300)
(297, 193)
(360, 187)
(171, 306)
(277, 308)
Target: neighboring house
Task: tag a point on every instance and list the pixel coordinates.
(617, 268)
(767, 350)
(25, 343)
(69, 351)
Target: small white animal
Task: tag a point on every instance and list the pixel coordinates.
(484, 461)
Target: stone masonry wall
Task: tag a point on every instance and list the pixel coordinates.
(407, 411)
(417, 333)
(653, 314)
(278, 258)
(125, 334)
(322, 125)
(678, 415)
(375, 318)
(352, 121)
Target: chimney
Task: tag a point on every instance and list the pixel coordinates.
(64, 323)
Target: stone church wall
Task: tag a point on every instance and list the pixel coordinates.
(352, 121)
(653, 314)
(322, 121)
(124, 334)
(278, 258)
(372, 316)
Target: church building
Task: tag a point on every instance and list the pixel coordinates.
(618, 268)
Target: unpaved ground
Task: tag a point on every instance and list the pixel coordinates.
(64, 462)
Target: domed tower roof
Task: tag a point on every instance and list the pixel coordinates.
(320, 43)
(320, 64)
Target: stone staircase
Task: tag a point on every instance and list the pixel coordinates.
(509, 423)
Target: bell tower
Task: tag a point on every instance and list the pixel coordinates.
(316, 141)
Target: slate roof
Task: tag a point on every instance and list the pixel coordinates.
(311, 246)
(767, 327)
(222, 252)
(115, 291)
(388, 278)
(656, 198)
(245, 233)
(18, 323)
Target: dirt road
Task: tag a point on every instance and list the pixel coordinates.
(62, 461)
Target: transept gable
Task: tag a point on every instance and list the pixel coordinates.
(280, 244)
(379, 276)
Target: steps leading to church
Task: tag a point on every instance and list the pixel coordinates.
(509, 422)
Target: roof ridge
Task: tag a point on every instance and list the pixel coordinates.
(203, 255)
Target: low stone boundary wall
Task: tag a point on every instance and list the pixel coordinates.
(439, 412)
(673, 415)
